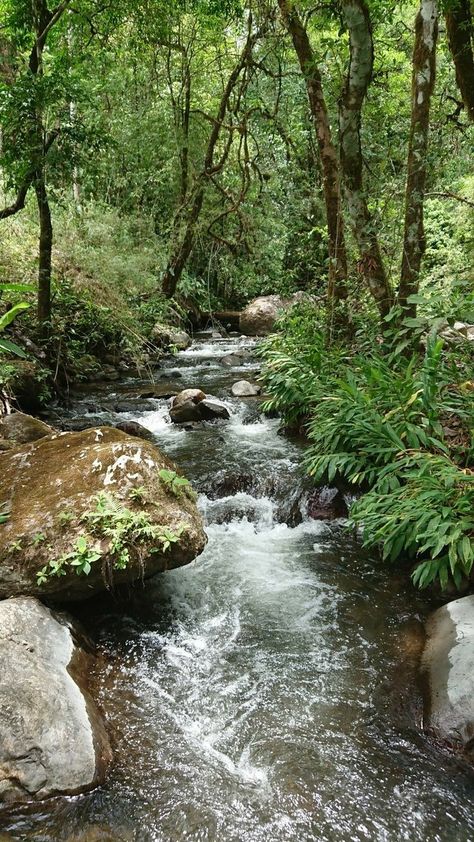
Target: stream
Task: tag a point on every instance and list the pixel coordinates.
(266, 692)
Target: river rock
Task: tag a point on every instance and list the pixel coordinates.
(233, 360)
(326, 503)
(192, 405)
(133, 428)
(245, 389)
(166, 336)
(212, 409)
(22, 428)
(51, 485)
(52, 737)
(185, 406)
(448, 668)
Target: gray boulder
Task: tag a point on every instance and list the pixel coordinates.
(245, 389)
(52, 737)
(22, 428)
(448, 669)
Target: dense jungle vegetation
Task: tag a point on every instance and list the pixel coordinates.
(160, 159)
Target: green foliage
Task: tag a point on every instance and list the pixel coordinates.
(117, 531)
(176, 484)
(6, 345)
(422, 504)
(383, 422)
(298, 361)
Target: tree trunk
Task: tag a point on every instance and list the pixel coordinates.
(45, 249)
(423, 79)
(461, 35)
(359, 75)
(184, 228)
(337, 287)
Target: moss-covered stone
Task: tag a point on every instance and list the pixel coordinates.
(52, 484)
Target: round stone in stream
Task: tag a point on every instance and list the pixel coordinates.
(245, 389)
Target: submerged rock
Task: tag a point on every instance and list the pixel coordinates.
(22, 428)
(53, 488)
(245, 389)
(448, 668)
(236, 359)
(52, 737)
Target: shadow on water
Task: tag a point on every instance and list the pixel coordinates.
(267, 691)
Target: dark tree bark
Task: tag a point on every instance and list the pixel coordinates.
(184, 228)
(45, 250)
(423, 80)
(460, 31)
(337, 287)
(359, 76)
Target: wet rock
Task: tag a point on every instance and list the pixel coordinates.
(81, 422)
(193, 395)
(52, 737)
(155, 392)
(166, 336)
(212, 409)
(237, 359)
(192, 405)
(185, 406)
(245, 389)
(326, 504)
(22, 428)
(448, 669)
(133, 428)
(128, 405)
(54, 483)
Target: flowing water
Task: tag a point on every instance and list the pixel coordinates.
(266, 692)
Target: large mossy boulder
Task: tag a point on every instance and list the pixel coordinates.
(52, 737)
(448, 672)
(259, 317)
(90, 510)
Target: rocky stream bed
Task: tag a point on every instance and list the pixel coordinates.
(268, 691)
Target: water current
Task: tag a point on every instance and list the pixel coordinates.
(266, 692)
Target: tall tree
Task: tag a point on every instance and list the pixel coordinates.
(460, 29)
(423, 81)
(359, 75)
(337, 281)
(184, 227)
